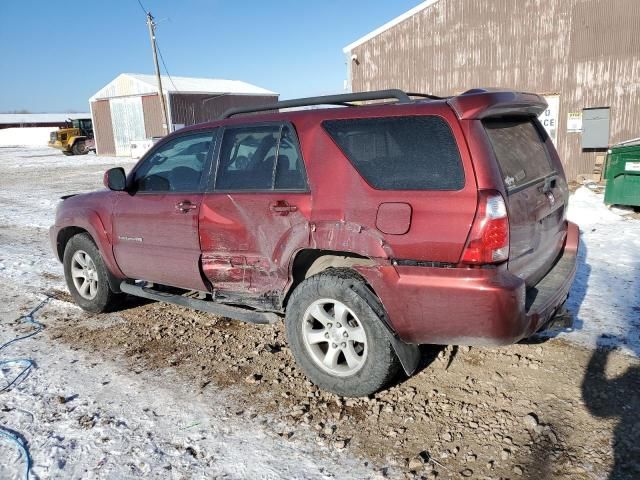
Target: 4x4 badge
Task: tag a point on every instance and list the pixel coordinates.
(552, 199)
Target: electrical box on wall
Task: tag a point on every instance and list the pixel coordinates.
(595, 128)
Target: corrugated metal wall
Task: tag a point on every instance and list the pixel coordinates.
(127, 119)
(189, 109)
(102, 129)
(153, 117)
(588, 51)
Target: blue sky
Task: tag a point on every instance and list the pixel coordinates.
(54, 57)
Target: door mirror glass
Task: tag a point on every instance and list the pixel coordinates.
(115, 179)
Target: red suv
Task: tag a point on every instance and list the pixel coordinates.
(371, 228)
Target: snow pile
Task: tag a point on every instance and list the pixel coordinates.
(605, 297)
(26, 136)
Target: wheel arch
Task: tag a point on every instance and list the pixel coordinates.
(310, 262)
(92, 226)
(73, 140)
(64, 235)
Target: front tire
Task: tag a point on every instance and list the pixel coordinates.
(337, 336)
(87, 276)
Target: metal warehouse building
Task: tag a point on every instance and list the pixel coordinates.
(128, 108)
(582, 55)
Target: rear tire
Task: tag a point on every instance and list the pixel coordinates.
(337, 335)
(79, 148)
(87, 276)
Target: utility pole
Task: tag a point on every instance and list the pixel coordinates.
(152, 35)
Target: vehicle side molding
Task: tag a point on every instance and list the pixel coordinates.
(235, 313)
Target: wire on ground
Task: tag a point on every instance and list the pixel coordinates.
(26, 364)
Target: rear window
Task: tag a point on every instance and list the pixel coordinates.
(401, 153)
(520, 150)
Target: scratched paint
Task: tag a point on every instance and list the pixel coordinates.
(587, 51)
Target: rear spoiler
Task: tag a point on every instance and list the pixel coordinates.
(485, 102)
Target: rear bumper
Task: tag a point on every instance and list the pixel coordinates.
(478, 306)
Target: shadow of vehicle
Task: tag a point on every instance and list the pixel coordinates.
(129, 302)
(576, 297)
(617, 397)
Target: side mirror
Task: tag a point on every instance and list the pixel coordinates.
(115, 179)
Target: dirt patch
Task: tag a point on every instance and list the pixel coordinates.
(59, 295)
(51, 276)
(515, 412)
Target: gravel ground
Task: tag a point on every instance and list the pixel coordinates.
(547, 410)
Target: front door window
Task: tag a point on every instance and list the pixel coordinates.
(176, 166)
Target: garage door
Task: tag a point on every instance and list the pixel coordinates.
(127, 119)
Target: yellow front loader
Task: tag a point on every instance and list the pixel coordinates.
(76, 138)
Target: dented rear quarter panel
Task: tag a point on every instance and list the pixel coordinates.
(345, 206)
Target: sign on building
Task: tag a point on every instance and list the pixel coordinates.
(574, 122)
(549, 118)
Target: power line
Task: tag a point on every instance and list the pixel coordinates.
(165, 66)
(142, 7)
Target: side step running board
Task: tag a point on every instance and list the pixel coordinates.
(235, 313)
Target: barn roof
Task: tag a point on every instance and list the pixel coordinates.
(388, 25)
(140, 84)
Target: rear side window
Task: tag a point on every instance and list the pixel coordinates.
(247, 158)
(401, 153)
(520, 150)
(263, 157)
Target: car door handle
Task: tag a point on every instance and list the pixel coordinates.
(282, 208)
(185, 206)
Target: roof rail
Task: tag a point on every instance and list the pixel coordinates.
(426, 95)
(342, 99)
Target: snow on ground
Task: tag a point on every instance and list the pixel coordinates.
(88, 418)
(22, 136)
(605, 297)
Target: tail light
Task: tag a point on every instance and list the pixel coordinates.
(489, 238)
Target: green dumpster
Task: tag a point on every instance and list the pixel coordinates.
(623, 174)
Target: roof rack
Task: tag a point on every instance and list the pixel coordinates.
(342, 100)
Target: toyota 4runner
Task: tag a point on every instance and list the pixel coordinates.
(371, 228)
